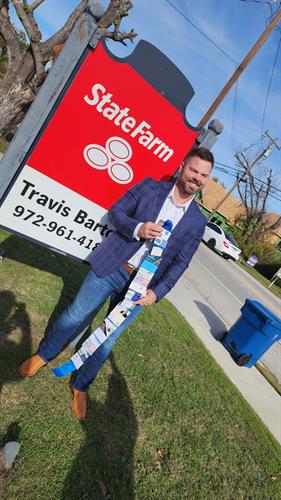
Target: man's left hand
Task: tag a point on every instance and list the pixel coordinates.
(149, 299)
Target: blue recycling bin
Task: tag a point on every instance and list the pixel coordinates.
(252, 334)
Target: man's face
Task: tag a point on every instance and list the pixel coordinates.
(194, 174)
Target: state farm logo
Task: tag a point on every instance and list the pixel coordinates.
(141, 131)
(112, 157)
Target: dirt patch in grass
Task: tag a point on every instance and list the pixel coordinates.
(269, 377)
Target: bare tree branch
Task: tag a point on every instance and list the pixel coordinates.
(254, 197)
(276, 225)
(251, 190)
(268, 188)
(11, 38)
(114, 14)
(27, 20)
(60, 36)
(120, 37)
(34, 34)
(116, 10)
(35, 4)
(241, 194)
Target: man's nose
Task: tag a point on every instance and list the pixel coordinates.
(197, 178)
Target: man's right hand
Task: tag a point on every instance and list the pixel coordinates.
(149, 230)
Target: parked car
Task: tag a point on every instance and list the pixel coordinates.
(220, 241)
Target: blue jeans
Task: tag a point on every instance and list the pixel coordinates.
(88, 301)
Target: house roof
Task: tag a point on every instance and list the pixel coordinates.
(213, 193)
(270, 218)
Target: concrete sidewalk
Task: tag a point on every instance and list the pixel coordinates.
(264, 400)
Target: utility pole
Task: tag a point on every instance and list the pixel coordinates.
(237, 73)
(265, 152)
(273, 141)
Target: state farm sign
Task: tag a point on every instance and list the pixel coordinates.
(111, 129)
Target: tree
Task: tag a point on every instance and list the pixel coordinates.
(261, 247)
(254, 194)
(23, 62)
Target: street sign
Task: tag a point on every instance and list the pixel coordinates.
(278, 273)
(274, 278)
(113, 126)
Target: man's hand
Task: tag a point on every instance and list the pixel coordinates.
(149, 230)
(149, 299)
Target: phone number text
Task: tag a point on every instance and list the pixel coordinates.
(53, 227)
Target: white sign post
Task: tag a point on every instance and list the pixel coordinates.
(275, 277)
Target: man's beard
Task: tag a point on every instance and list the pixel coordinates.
(184, 187)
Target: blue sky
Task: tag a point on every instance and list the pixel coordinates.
(235, 26)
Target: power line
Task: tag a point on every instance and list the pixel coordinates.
(239, 70)
(236, 171)
(235, 175)
(241, 171)
(232, 175)
(268, 20)
(262, 2)
(254, 144)
(270, 6)
(202, 33)
(269, 85)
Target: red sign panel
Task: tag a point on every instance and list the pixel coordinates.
(111, 129)
(110, 117)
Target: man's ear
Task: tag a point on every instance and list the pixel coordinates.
(181, 166)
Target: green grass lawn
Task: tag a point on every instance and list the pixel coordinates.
(164, 421)
(276, 290)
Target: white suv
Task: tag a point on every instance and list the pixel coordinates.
(224, 243)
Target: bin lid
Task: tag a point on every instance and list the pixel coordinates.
(263, 311)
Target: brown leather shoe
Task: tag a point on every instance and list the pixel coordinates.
(31, 366)
(79, 404)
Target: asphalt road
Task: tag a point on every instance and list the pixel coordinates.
(207, 321)
(224, 287)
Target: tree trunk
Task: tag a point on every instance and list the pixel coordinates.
(15, 100)
(25, 72)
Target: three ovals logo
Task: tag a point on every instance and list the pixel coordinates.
(113, 157)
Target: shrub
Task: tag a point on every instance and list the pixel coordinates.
(261, 247)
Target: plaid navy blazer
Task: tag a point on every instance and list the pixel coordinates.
(143, 203)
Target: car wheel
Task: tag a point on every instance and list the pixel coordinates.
(243, 359)
(225, 256)
(211, 244)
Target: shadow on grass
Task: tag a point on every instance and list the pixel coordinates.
(70, 271)
(15, 336)
(104, 466)
(15, 329)
(217, 326)
(11, 434)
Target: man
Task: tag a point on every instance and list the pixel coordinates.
(115, 261)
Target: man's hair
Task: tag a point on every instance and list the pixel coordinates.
(203, 153)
